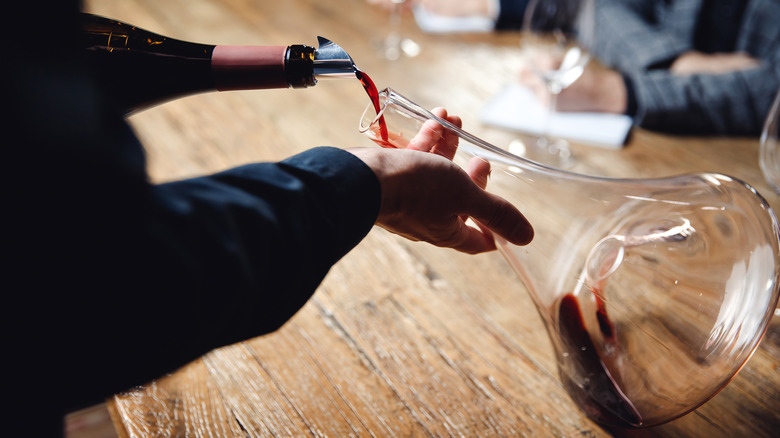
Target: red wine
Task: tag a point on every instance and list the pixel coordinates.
(605, 325)
(373, 94)
(600, 397)
(392, 140)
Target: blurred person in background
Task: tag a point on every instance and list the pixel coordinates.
(683, 66)
(678, 66)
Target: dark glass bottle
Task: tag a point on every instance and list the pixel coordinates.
(140, 68)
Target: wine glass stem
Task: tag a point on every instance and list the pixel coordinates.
(392, 42)
(551, 106)
(395, 17)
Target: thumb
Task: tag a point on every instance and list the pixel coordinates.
(502, 218)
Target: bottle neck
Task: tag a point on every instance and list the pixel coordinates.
(262, 67)
(139, 69)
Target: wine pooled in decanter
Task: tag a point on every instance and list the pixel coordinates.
(655, 292)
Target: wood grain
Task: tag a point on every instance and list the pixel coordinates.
(402, 338)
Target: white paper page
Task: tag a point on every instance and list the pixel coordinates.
(432, 23)
(516, 108)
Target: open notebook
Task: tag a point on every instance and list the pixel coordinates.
(516, 108)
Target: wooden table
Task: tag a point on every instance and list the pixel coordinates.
(402, 338)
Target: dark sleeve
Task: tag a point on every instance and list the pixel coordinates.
(633, 35)
(255, 241)
(227, 257)
(630, 95)
(115, 281)
(735, 103)
(510, 16)
(728, 104)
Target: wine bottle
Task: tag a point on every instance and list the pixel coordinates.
(140, 68)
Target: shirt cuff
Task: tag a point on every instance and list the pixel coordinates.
(631, 104)
(510, 14)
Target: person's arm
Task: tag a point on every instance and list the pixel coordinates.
(118, 281)
(727, 103)
(161, 274)
(633, 35)
(734, 103)
(177, 269)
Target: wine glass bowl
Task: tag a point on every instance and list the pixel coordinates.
(394, 44)
(769, 158)
(655, 292)
(554, 48)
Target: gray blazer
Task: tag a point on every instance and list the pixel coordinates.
(633, 35)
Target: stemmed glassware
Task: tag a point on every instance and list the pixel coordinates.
(654, 292)
(395, 44)
(557, 35)
(769, 157)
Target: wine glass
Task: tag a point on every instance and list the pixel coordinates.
(769, 157)
(556, 37)
(395, 44)
(655, 292)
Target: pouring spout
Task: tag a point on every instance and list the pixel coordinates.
(331, 61)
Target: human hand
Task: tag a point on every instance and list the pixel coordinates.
(694, 62)
(426, 197)
(598, 89)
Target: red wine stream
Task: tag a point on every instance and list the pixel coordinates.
(373, 94)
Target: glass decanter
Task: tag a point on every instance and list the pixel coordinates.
(655, 292)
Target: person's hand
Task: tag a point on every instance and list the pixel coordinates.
(694, 62)
(599, 89)
(426, 197)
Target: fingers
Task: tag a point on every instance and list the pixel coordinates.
(435, 139)
(471, 240)
(502, 218)
(491, 214)
(479, 170)
(438, 214)
(499, 215)
(448, 145)
(430, 133)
